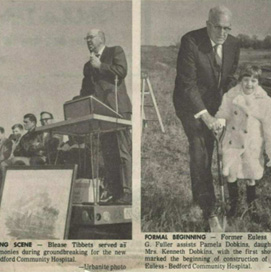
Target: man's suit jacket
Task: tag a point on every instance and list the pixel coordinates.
(101, 82)
(30, 145)
(197, 85)
(5, 149)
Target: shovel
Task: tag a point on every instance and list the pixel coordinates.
(219, 135)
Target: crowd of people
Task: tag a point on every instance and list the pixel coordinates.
(25, 146)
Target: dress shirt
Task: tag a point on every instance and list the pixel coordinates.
(100, 52)
(219, 52)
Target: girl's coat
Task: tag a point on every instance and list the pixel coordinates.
(248, 133)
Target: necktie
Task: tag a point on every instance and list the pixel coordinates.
(95, 70)
(218, 59)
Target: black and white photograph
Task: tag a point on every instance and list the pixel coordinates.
(205, 108)
(135, 135)
(66, 92)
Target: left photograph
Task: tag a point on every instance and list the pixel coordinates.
(66, 120)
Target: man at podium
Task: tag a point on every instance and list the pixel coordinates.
(106, 68)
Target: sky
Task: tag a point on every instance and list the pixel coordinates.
(165, 22)
(43, 51)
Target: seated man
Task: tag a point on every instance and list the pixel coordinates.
(76, 151)
(72, 151)
(17, 130)
(51, 141)
(5, 146)
(30, 150)
(5, 152)
(15, 137)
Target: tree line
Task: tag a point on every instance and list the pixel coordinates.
(247, 41)
(253, 42)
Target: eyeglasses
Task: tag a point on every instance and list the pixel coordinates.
(89, 38)
(45, 119)
(220, 28)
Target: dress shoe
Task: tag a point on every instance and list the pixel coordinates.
(106, 197)
(126, 198)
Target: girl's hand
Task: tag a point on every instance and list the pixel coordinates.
(268, 163)
(218, 125)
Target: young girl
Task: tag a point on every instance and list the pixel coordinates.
(247, 110)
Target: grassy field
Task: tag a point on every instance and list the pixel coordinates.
(166, 195)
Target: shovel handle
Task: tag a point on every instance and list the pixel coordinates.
(219, 136)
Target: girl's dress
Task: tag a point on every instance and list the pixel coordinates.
(248, 133)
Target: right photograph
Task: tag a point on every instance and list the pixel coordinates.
(206, 116)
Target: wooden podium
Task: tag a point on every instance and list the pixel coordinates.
(85, 116)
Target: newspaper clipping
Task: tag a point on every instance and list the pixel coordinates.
(135, 135)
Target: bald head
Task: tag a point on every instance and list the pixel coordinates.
(95, 40)
(218, 11)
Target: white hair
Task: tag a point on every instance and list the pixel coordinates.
(217, 11)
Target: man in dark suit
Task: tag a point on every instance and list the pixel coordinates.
(5, 146)
(5, 152)
(106, 66)
(30, 149)
(206, 64)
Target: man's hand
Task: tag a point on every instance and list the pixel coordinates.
(95, 61)
(268, 163)
(64, 147)
(209, 120)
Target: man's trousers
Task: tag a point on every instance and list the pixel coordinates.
(201, 145)
(117, 155)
